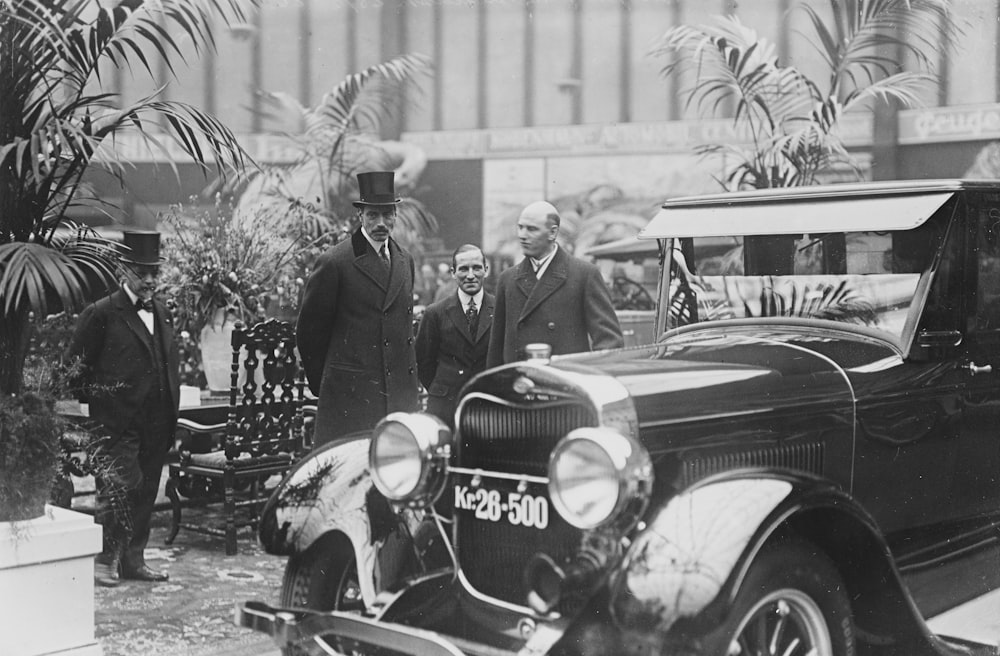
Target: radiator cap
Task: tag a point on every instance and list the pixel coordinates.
(538, 351)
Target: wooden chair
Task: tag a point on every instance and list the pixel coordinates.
(261, 438)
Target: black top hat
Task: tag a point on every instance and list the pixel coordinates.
(141, 247)
(375, 188)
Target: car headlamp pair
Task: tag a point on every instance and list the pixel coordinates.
(597, 476)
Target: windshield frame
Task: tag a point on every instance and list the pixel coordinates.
(672, 263)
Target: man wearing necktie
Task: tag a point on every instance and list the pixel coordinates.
(454, 334)
(551, 297)
(355, 324)
(129, 376)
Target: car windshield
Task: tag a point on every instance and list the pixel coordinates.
(867, 279)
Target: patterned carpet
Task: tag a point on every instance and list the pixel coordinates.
(192, 613)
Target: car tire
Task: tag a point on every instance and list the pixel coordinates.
(324, 577)
(791, 592)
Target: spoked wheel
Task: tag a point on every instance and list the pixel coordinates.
(792, 603)
(784, 622)
(324, 577)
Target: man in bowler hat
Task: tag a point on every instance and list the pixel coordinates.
(455, 334)
(551, 297)
(355, 325)
(129, 376)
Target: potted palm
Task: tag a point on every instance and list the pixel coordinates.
(790, 117)
(311, 196)
(56, 124)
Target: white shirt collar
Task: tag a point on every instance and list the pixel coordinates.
(464, 298)
(376, 245)
(145, 315)
(542, 264)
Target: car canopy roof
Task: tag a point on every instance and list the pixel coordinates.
(629, 248)
(806, 210)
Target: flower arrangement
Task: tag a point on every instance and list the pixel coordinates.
(221, 263)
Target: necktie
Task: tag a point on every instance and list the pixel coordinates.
(472, 316)
(384, 255)
(144, 305)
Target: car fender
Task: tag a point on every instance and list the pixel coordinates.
(690, 559)
(331, 490)
(680, 562)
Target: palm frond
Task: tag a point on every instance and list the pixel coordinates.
(53, 129)
(353, 99)
(904, 87)
(854, 39)
(45, 278)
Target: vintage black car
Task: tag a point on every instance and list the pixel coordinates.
(807, 451)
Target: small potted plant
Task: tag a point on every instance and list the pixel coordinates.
(29, 454)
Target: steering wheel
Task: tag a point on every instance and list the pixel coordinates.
(627, 294)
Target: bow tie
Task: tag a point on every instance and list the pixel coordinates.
(144, 305)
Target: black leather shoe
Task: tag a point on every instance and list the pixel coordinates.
(106, 574)
(143, 573)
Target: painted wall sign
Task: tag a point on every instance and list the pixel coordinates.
(941, 124)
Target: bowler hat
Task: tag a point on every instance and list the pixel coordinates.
(141, 247)
(375, 188)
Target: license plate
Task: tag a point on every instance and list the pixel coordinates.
(495, 506)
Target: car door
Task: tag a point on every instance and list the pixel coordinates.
(909, 414)
(976, 483)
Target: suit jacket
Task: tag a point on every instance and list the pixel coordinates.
(569, 308)
(355, 337)
(448, 355)
(116, 355)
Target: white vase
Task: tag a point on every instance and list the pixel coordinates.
(217, 355)
(47, 579)
(216, 344)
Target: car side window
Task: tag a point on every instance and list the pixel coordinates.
(987, 245)
(943, 310)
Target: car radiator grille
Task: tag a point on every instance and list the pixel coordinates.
(499, 437)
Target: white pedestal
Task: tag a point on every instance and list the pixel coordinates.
(47, 585)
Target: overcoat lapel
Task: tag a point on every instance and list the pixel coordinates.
(132, 320)
(525, 279)
(397, 273)
(553, 278)
(485, 317)
(163, 329)
(367, 260)
(456, 314)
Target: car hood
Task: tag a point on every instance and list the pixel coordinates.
(730, 371)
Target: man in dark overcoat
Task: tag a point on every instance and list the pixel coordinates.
(129, 376)
(551, 297)
(355, 325)
(454, 334)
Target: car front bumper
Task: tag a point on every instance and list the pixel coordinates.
(349, 631)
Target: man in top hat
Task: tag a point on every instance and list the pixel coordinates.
(129, 376)
(355, 325)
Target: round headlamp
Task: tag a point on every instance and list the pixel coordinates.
(599, 477)
(407, 457)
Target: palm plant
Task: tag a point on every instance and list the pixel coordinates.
(56, 124)
(791, 120)
(335, 144)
